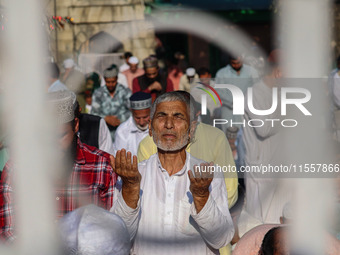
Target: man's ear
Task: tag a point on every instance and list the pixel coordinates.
(76, 125)
(192, 129)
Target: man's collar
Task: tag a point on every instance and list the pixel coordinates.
(116, 89)
(179, 173)
(134, 127)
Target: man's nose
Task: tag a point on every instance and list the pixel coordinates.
(169, 123)
(143, 122)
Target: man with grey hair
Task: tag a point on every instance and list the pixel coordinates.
(181, 208)
(152, 81)
(111, 102)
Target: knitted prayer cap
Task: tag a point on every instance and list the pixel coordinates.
(91, 230)
(111, 72)
(140, 101)
(63, 105)
(150, 62)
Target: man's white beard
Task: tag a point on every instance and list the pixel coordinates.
(142, 128)
(183, 141)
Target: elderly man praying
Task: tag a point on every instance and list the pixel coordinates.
(174, 207)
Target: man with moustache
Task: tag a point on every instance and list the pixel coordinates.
(111, 101)
(132, 132)
(179, 209)
(152, 81)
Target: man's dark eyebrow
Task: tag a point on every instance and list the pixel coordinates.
(179, 114)
(161, 114)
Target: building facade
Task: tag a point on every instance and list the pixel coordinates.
(99, 27)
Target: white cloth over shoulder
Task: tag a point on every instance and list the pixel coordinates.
(266, 195)
(124, 67)
(128, 136)
(168, 221)
(104, 138)
(261, 141)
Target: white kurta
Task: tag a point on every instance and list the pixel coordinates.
(265, 196)
(168, 221)
(128, 136)
(104, 138)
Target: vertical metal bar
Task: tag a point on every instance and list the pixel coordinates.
(30, 128)
(305, 32)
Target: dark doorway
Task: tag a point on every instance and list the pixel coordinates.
(103, 42)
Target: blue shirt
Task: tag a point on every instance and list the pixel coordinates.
(104, 105)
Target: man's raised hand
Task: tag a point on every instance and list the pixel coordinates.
(199, 184)
(128, 172)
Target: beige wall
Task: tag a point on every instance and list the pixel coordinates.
(123, 19)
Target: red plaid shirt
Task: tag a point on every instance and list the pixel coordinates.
(92, 181)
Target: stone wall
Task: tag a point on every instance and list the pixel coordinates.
(122, 19)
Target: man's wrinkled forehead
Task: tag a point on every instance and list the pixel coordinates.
(172, 108)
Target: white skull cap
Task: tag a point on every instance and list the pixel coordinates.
(91, 230)
(190, 72)
(68, 63)
(133, 60)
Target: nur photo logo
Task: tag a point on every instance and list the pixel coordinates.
(282, 98)
(206, 89)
